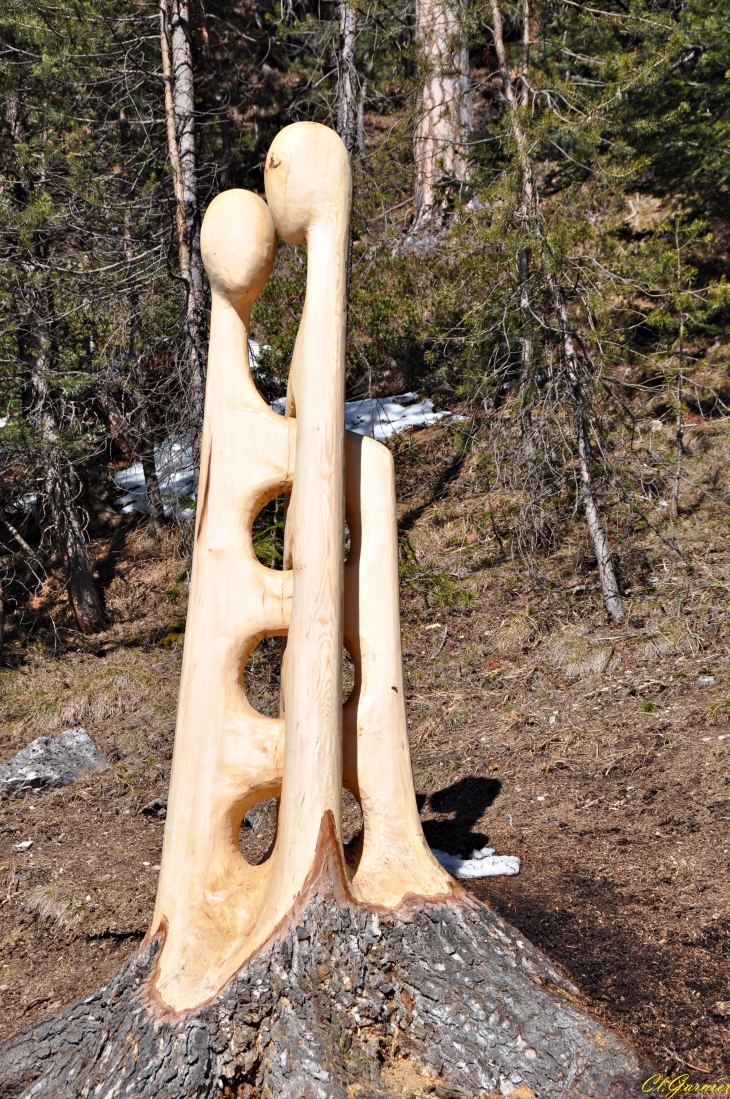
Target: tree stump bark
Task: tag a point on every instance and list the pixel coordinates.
(336, 1005)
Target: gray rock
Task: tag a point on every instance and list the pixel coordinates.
(156, 808)
(50, 762)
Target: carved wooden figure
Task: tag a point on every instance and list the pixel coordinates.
(311, 974)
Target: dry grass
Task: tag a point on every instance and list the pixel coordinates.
(52, 903)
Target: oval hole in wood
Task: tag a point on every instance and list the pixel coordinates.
(258, 831)
(268, 534)
(262, 677)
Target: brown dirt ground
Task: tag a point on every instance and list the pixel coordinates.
(599, 756)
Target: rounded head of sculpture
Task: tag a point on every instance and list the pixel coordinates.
(307, 179)
(238, 242)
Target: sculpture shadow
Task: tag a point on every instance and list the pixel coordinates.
(465, 801)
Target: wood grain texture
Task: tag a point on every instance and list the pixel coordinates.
(216, 909)
(393, 858)
(227, 756)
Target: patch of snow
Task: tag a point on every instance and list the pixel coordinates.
(176, 477)
(379, 418)
(27, 503)
(480, 864)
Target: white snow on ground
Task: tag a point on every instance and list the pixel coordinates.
(378, 417)
(175, 473)
(480, 864)
(381, 417)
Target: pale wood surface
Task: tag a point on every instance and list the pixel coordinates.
(227, 756)
(216, 908)
(274, 973)
(308, 188)
(395, 858)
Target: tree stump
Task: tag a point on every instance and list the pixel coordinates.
(338, 1004)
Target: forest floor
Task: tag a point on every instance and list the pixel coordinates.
(599, 756)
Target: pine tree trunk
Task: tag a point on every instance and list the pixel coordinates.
(177, 71)
(61, 488)
(152, 485)
(347, 77)
(445, 110)
(602, 547)
(61, 492)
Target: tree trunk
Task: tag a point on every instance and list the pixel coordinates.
(445, 110)
(61, 492)
(317, 974)
(604, 557)
(347, 77)
(177, 72)
(152, 485)
(61, 487)
(530, 214)
(117, 423)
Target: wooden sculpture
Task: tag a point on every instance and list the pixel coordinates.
(305, 976)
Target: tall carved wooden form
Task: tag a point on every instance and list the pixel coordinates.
(218, 910)
(309, 976)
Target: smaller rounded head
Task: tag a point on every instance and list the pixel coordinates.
(238, 242)
(307, 179)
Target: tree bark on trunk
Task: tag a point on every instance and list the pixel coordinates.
(604, 557)
(530, 213)
(347, 77)
(445, 113)
(61, 492)
(152, 485)
(177, 73)
(61, 487)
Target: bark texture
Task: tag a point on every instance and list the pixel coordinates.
(177, 74)
(445, 115)
(61, 484)
(347, 113)
(328, 1009)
